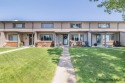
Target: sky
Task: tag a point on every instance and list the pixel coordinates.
(54, 10)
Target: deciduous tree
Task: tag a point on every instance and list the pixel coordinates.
(113, 5)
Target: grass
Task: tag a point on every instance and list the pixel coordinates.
(119, 48)
(32, 65)
(98, 65)
(5, 49)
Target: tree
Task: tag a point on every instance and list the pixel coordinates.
(113, 5)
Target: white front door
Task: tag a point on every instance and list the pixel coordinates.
(65, 39)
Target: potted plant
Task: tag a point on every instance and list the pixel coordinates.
(60, 43)
(95, 44)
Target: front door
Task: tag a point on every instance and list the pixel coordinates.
(98, 39)
(65, 39)
(31, 39)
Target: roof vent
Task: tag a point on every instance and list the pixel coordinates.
(16, 20)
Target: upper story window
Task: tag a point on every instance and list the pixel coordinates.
(75, 25)
(13, 37)
(46, 37)
(102, 25)
(47, 25)
(19, 25)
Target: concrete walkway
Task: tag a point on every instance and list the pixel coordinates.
(13, 50)
(65, 71)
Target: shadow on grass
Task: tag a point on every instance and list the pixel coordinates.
(97, 65)
(55, 53)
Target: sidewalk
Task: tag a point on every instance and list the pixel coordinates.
(13, 50)
(65, 72)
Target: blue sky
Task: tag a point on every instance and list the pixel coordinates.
(54, 10)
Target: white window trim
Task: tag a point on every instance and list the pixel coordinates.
(75, 25)
(12, 34)
(43, 25)
(106, 24)
(46, 34)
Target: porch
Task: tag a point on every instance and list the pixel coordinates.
(71, 39)
(105, 39)
(18, 39)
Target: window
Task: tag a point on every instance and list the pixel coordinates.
(104, 25)
(75, 37)
(13, 37)
(19, 25)
(81, 37)
(98, 38)
(46, 37)
(47, 25)
(112, 36)
(75, 25)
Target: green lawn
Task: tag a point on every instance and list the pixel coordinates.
(120, 48)
(5, 49)
(98, 65)
(32, 65)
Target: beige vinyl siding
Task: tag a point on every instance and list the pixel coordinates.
(57, 25)
(121, 25)
(93, 25)
(37, 25)
(113, 25)
(66, 25)
(10, 26)
(85, 26)
(122, 38)
(1, 26)
(28, 25)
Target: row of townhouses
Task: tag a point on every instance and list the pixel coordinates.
(56, 33)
